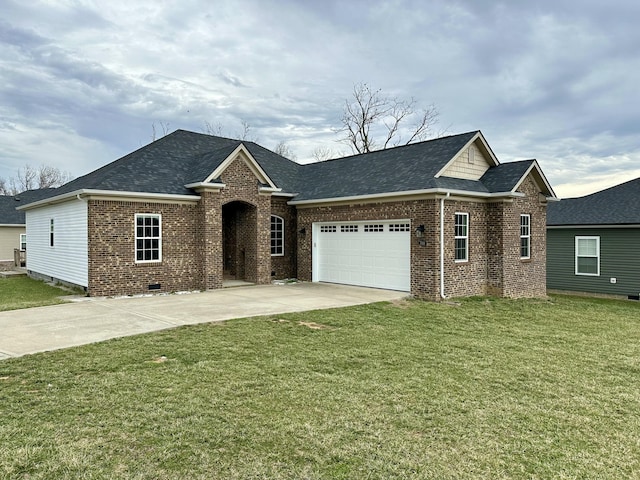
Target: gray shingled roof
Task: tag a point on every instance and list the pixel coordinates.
(181, 158)
(505, 176)
(617, 205)
(8, 203)
(399, 169)
(164, 166)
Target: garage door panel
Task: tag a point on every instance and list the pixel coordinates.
(371, 253)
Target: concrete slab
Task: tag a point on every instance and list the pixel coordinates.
(96, 319)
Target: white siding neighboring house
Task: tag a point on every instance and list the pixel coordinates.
(12, 222)
(66, 257)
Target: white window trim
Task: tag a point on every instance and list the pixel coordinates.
(281, 254)
(51, 233)
(135, 234)
(590, 237)
(23, 236)
(528, 236)
(458, 237)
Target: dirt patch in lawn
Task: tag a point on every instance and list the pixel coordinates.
(313, 325)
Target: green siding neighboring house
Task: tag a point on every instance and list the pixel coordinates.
(593, 242)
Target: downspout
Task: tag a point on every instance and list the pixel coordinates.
(442, 295)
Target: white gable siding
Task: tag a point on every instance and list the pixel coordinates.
(68, 259)
(461, 168)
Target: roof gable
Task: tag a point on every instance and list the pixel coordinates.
(507, 177)
(471, 161)
(240, 153)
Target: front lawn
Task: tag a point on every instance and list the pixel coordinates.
(485, 388)
(24, 292)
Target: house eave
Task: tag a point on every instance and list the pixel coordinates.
(269, 190)
(207, 186)
(87, 194)
(593, 226)
(284, 194)
(403, 195)
(16, 225)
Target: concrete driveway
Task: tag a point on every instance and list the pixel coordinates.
(92, 320)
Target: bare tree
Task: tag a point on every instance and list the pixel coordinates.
(370, 112)
(49, 176)
(26, 178)
(30, 178)
(211, 129)
(284, 150)
(162, 126)
(244, 135)
(320, 154)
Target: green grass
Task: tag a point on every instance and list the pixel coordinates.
(485, 388)
(24, 292)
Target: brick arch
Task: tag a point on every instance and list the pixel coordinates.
(239, 241)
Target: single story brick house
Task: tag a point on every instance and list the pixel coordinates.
(593, 243)
(437, 219)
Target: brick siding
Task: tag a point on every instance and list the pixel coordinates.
(494, 266)
(191, 239)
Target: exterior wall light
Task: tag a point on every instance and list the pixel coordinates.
(420, 231)
(303, 231)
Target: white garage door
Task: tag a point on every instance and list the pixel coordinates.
(371, 254)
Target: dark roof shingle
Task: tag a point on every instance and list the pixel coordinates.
(614, 206)
(8, 203)
(182, 158)
(399, 169)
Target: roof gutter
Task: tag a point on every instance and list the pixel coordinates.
(83, 193)
(428, 191)
(442, 294)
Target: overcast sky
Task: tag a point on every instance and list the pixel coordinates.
(82, 82)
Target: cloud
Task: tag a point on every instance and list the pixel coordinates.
(541, 79)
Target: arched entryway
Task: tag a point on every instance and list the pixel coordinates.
(239, 241)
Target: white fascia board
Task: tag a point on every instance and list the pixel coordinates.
(284, 194)
(544, 179)
(205, 186)
(83, 193)
(591, 227)
(477, 136)
(16, 225)
(269, 190)
(430, 191)
(254, 166)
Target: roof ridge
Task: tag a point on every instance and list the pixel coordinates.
(413, 144)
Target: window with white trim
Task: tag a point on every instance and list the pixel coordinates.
(277, 236)
(525, 236)
(148, 238)
(327, 229)
(23, 241)
(461, 237)
(348, 228)
(51, 232)
(588, 256)
(399, 227)
(374, 228)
